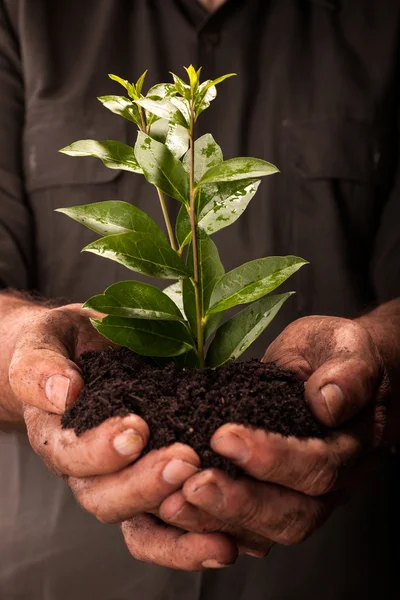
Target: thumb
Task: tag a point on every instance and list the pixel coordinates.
(341, 388)
(41, 372)
(45, 379)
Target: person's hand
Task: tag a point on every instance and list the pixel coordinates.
(295, 484)
(101, 466)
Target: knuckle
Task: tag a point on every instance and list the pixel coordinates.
(295, 530)
(300, 523)
(88, 499)
(130, 530)
(15, 371)
(271, 464)
(322, 482)
(250, 513)
(322, 471)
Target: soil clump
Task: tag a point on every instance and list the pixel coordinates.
(189, 405)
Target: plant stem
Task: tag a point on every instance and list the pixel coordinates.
(142, 118)
(161, 196)
(193, 226)
(167, 219)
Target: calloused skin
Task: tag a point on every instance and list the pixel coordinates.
(295, 484)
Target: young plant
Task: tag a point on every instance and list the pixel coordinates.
(178, 321)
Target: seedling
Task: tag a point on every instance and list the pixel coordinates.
(179, 320)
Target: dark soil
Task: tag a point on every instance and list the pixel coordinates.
(189, 405)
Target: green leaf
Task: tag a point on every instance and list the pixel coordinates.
(238, 168)
(161, 168)
(161, 90)
(214, 82)
(175, 137)
(140, 82)
(193, 77)
(237, 334)
(181, 87)
(183, 106)
(204, 98)
(207, 91)
(210, 271)
(164, 109)
(122, 106)
(220, 205)
(142, 253)
(149, 338)
(113, 216)
(252, 281)
(130, 88)
(207, 154)
(174, 291)
(114, 155)
(135, 300)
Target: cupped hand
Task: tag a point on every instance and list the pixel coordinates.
(295, 484)
(101, 465)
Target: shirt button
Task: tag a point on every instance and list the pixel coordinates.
(210, 40)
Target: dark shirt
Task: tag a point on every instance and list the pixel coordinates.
(316, 94)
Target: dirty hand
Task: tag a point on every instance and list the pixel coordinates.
(295, 483)
(99, 465)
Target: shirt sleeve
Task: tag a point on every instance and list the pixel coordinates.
(386, 253)
(16, 223)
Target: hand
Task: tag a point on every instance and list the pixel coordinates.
(296, 483)
(99, 465)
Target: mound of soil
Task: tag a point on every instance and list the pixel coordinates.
(189, 405)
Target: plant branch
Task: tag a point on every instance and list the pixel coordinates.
(161, 196)
(167, 219)
(193, 226)
(143, 119)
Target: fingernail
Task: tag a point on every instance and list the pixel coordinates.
(128, 443)
(177, 471)
(56, 389)
(186, 514)
(334, 401)
(231, 446)
(213, 564)
(207, 495)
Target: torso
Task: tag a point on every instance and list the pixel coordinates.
(325, 118)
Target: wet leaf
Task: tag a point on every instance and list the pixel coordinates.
(237, 334)
(182, 105)
(113, 216)
(207, 154)
(252, 281)
(238, 168)
(174, 291)
(164, 109)
(114, 155)
(137, 300)
(204, 100)
(175, 137)
(161, 168)
(148, 338)
(220, 205)
(141, 252)
(122, 106)
(161, 90)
